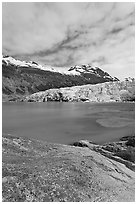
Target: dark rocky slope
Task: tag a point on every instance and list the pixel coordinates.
(43, 172)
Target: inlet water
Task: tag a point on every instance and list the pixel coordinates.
(68, 122)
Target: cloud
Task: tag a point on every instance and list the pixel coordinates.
(64, 34)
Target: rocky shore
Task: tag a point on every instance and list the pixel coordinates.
(43, 172)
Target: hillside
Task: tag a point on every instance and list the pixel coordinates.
(21, 78)
(37, 171)
(104, 92)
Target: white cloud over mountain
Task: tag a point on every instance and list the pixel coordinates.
(65, 34)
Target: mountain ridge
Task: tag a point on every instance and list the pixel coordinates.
(20, 78)
(73, 70)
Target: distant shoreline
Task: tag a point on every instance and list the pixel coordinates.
(91, 102)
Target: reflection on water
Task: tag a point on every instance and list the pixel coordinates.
(69, 122)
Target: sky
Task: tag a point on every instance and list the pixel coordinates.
(66, 34)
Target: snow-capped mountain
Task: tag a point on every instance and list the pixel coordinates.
(21, 78)
(75, 70)
(12, 61)
(88, 69)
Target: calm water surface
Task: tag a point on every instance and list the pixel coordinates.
(68, 122)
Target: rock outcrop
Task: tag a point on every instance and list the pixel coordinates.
(104, 92)
(37, 171)
(122, 151)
